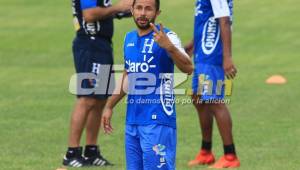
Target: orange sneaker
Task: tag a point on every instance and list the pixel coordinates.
(202, 158)
(227, 161)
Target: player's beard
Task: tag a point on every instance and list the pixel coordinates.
(144, 19)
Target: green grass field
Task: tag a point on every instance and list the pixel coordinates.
(36, 65)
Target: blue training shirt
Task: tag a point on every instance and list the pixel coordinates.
(150, 71)
(207, 36)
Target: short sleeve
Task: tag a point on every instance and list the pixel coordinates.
(176, 42)
(85, 4)
(220, 8)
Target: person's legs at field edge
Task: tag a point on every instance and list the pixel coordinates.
(85, 109)
(223, 119)
(224, 122)
(92, 151)
(205, 116)
(83, 106)
(87, 112)
(93, 122)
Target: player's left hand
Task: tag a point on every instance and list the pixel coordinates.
(106, 120)
(229, 68)
(160, 37)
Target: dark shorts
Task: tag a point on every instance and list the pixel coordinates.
(94, 57)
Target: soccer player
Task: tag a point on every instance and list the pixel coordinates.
(150, 53)
(92, 48)
(213, 60)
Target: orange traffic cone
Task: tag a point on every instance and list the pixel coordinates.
(276, 79)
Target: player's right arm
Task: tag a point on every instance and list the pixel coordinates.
(118, 94)
(92, 13)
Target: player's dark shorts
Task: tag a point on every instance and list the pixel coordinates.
(208, 81)
(93, 56)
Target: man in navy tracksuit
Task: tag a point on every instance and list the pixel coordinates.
(92, 50)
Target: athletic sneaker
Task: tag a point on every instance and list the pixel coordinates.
(203, 157)
(227, 161)
(97, 160)
(75, 162)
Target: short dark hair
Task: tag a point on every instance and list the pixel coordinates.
(157, 4)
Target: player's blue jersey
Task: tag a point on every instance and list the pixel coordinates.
(207, 36)
(149, 103)
(102, 28)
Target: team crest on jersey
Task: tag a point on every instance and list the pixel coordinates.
(210, 36)
(146, 64)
